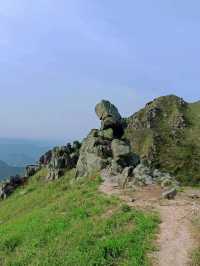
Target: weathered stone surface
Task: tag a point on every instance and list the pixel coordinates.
(104, 148)
(115, 168)
(60, 159)
(127, 179)
(143, 175)
(105, 110)
(170, 194)
(106, 134)
(8, 186)
(110, 117)
(46, 158)
(94, 154)
(31, 170)
(120, 149)
(167, 183)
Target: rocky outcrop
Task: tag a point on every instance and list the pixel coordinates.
(141, 175)
(46, 158)
(110, 117)
(95, 154)
(104, 148)
(60, 159)
(8, 186)
(31, 170)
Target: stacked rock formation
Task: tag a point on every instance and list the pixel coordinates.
(60, 159)
(105, 148)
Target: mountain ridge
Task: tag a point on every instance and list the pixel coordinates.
(165, 132)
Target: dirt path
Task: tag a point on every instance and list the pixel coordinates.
(175, 240)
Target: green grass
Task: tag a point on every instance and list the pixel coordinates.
(196, 258)
(196, 252)
(71, 223)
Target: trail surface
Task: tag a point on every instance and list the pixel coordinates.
(175, 239)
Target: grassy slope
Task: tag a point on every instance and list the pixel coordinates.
(71, 223)
(192, 142)
(196, 253)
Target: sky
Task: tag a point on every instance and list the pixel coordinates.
(58, 58)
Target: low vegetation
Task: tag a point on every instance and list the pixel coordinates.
(69, 222)
(196, 252)
(166, 132)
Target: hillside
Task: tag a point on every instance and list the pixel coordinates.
(99, 202)
(7, 170)
(68, 222)
(166, 134)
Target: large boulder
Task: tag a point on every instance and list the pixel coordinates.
(122, 154)
(95, 154)
(110, 117)
(120, 149)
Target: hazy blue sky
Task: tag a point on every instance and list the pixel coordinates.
(59, 57)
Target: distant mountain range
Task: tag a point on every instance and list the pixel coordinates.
(20, 152)
(7, 170)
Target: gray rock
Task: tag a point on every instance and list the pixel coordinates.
(120, 149)
(107, 111)
(126, 179)
(106, 134)
(142, 175)
(94, 155)
(54, 174)
(157, 174)
(128, 172)
(170, 194)
(76, 146)
(141, 169)
(62, 158)
(10, 185)
(167, 183)
(161, 176)
(110, 117)
(31, 170)
(115, 168)
(46, 158)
